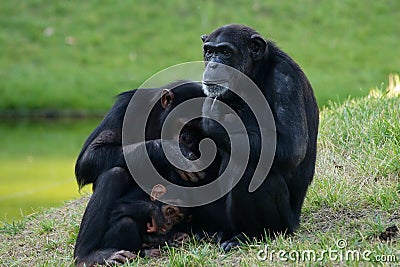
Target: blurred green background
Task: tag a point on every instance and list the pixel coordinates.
(70, 58)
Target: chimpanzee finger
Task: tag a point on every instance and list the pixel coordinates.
(117, 258)
(127, 254)
(121, 256)
(201, 175)
(192, 176)
(112, 263)
(153, 252)
(180, 237)
(186, 176)
(183, 175)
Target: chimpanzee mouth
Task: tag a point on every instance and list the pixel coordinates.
(215, 88)
(208, 83)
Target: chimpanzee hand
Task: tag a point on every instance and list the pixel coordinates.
(190, 176)
(120, 257)
(178, 239)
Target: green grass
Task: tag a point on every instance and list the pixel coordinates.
(354, 198)
(78, 54)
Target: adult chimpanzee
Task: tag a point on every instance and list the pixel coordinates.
(276, 205)
(102, 150)
(102, 162)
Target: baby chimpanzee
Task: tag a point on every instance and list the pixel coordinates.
(138, 225)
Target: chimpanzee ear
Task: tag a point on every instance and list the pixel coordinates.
(167, 96)
(157, 192)
(258, 47)
(204, 37)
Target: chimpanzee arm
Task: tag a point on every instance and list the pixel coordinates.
(111, 186)
(155, 150)
(125, 234)
(290, 116)
(104, 144)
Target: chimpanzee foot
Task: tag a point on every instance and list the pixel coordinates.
(229, 244)
(120, 257)
(152, 252)
(233, 242)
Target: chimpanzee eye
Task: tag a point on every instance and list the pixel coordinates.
(179, 218)
(226, 53)
(170, 211)
(208, 52)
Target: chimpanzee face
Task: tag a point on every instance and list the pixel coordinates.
(225, 47)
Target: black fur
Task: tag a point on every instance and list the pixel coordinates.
(102, 163)
(275, 206)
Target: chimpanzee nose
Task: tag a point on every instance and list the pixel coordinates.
(212, 65)
(191, 156)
